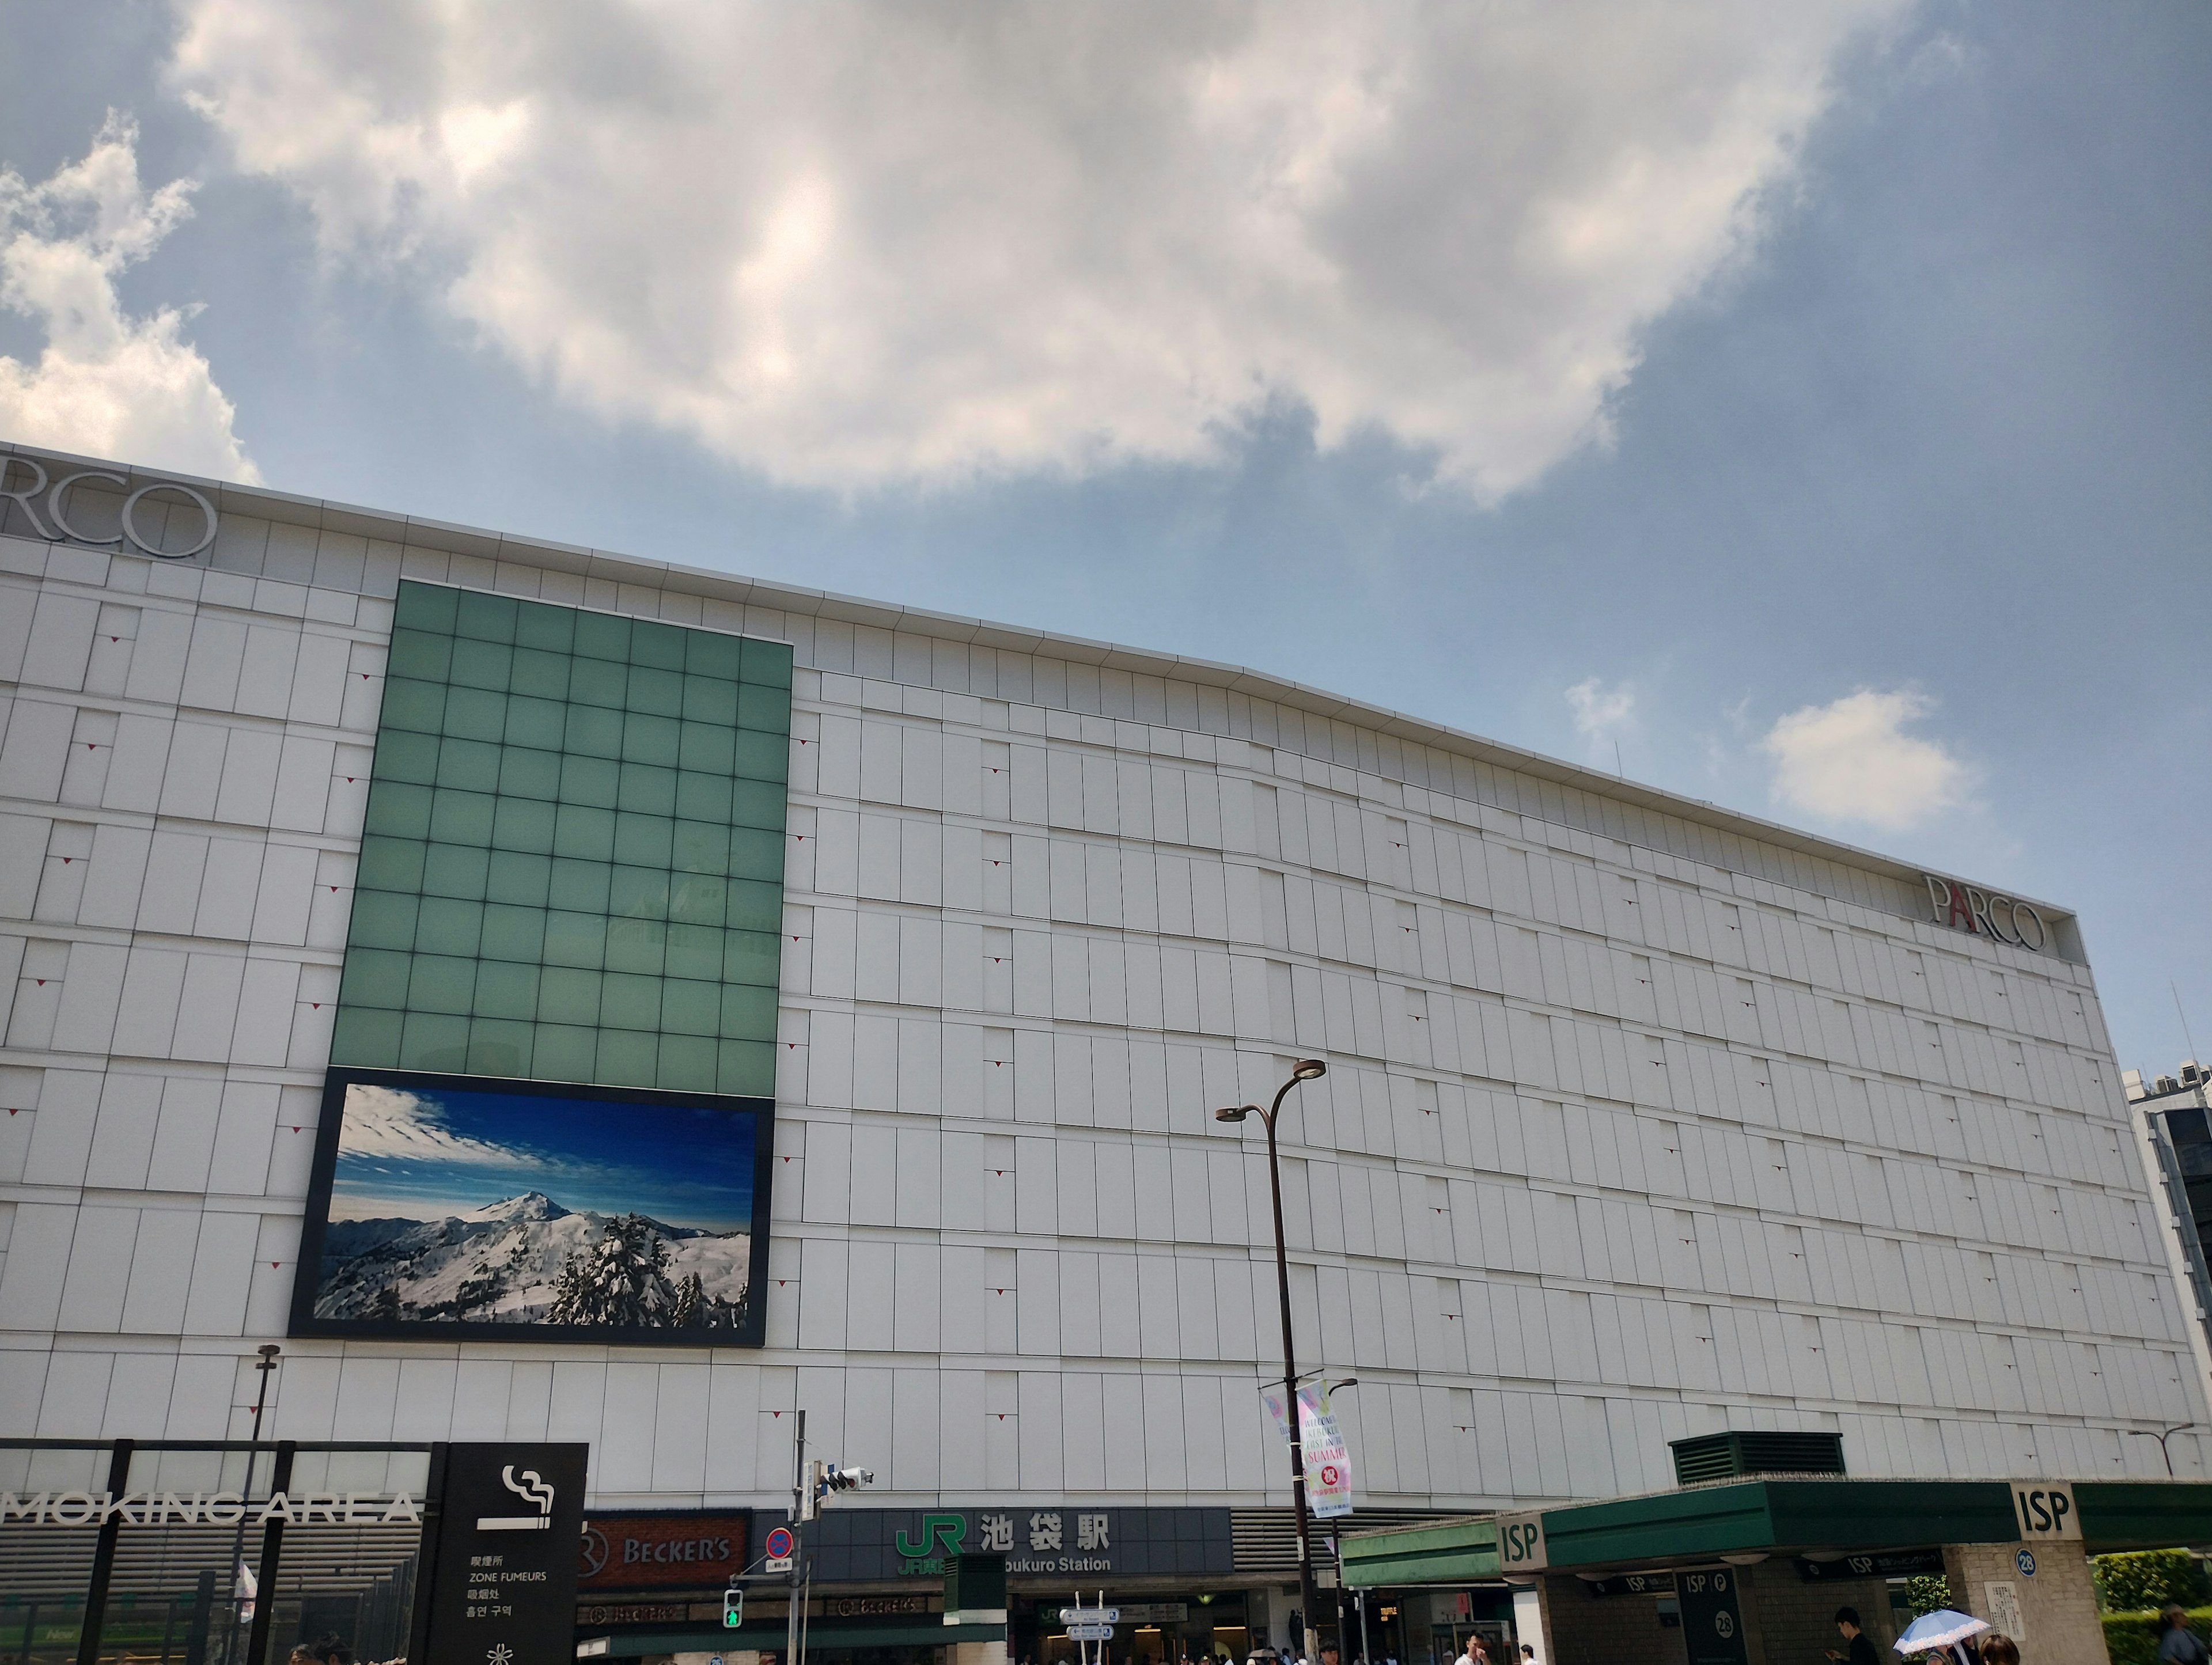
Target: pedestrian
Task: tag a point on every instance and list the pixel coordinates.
(1858, 1646)
(1998, 1649)
(1476, 1654)
(1529, 1653)
(2180, 1645)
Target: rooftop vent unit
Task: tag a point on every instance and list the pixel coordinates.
(2190, 1074)
(1735, 1454)
(2166, 1084)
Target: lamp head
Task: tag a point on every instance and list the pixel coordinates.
(1308, 1069)
(269, 1349)
(1234, 1112)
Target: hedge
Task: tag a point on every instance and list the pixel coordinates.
(2145, 1578)
(2131, 1638)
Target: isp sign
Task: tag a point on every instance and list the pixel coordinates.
(2046, 1511)
(1520, 1544)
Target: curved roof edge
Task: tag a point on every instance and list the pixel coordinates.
(417, 531)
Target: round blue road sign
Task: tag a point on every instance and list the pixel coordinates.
(2026, 1562)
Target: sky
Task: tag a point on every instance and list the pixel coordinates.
(423, 1155)
(1806, 408)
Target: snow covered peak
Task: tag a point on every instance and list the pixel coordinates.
(530, 1206)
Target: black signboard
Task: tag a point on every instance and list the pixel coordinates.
(502, 1533)
(1884, 1563)
(1059, 1540)
(1712, 1617)
(1635, 1583)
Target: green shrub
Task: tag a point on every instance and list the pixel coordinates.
(2131, 1638)
(2146, 1578)
(1928, 1592)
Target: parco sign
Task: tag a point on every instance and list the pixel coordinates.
(1986, 915)
(47, 507)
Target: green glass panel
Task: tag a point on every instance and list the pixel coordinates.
(461, 818)
(582, 831)
(538, 676)
(694, 951)
(420, 653)
(593, 780)
(599, 684)
(473, 714)
(515, 877)
(710, 700)
(505, 990)
(761, 755)
(657, 691)
(537, 625)
(703, 797)
(752, 956)
(700, 846)
(485, 618)
(643, 841)
(593, 732)
(698, 899)
(391, 864)
(499, 1047)
(768, 663)
(764, 708)
(649, 739)
(756, 852)
(449, 926)
(455, 869)
(417, 706)
(687, 1063)
(439, 983)
(748, 1013)
(640, 893)
(756, 804)
(567, 995)
(435, 1040)
(398, 809)
(483, 664)
(660, 645)
(366, 1038)
(755, 905)
(648, 788)
(565, 1054)
(426, 607)
(472, 764)
(603, 637)
(689, 1008)
(707, 747)
(406, 756)
(533, 722)
(580, 886)
(375, 977)
(746, 1068)
(524, 772)
(381, 918)
(637, 945)
(523, 825)
(711, 653)
(628, 1059)
(513, 934)
(628, 1001)
(575, 939)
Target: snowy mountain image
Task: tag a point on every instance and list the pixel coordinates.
(608, 1213)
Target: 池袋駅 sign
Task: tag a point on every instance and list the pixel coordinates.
(45, 504)
(212, 1509)
(1986, 913)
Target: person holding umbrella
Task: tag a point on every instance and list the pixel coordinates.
(1944, 1629)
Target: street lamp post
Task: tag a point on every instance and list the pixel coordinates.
(2161, 1439)
(1307, 1069)
(269, 1351)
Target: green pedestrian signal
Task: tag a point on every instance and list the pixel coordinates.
(734, 1609)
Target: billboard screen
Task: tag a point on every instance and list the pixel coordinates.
(462, 1204)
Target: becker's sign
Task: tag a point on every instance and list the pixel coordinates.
(47, 509)
(1986, 913)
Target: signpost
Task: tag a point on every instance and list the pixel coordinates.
(502, 1537)
(1088, 1625)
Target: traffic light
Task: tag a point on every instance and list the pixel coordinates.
(733, 1607)
(822, 1479)
(844, 1480)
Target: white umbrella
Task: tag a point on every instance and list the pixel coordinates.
(1939, 1629)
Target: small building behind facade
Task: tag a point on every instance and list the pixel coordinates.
(2174, 1126)
(522, 994)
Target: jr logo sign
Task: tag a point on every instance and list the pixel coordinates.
(941, 1535)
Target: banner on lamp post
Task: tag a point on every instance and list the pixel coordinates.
(1327, 1462)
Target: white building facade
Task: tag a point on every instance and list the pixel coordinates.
(1642, 1119)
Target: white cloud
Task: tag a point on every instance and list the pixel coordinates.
(107, 383)
(854, 243)
(1601, 713)
(1851, 760)
(391, 1122)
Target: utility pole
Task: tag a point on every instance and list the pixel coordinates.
(798, 1545)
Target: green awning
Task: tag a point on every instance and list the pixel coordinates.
(1434, 1553)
